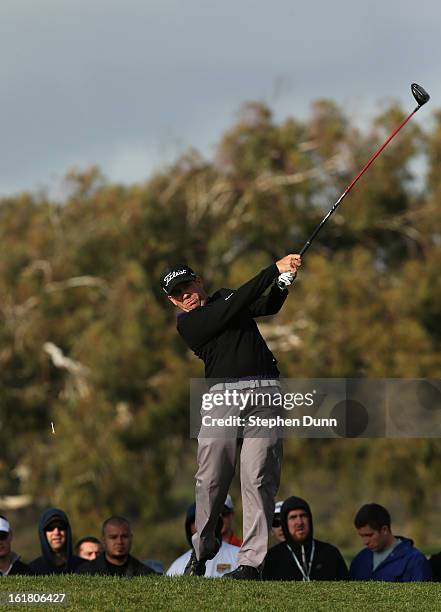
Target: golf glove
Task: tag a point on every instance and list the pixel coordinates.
(285, 279)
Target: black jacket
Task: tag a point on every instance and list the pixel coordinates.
(46, 563)
(435, 562)
(225, 336)
(99, 566)
(328, 564)
(327, 561)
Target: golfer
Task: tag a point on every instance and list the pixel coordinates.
(221, 331)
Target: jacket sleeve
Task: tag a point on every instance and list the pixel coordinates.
(94, 568)
(358, 567)
(269, 568)
(435, 562)
(84, 568)
(136, 568)
(39, 567)
(269, 304)
(418, 569)
(341, 569)
(199, 326)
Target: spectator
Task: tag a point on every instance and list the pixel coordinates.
(277, 525)
(228, 534)
(88, 548)
(56, 545)
(10, 563)
(300, 556)
(224, 561)
(386, 557)
(116, 559)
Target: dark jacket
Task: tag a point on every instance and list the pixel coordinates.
(46, 563)
(19, 568)
(99, 566)
(435, 562)
(404, 564)
(225, 336)
(327, 561)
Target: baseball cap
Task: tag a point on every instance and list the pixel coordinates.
(174, 276)
(228, 503)
(5, 526)
(55, 521)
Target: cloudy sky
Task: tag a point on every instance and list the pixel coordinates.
(128, 84)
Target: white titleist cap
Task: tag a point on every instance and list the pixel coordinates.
(4, 525)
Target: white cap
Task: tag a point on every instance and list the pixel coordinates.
(278, 507)
(4, 525)
(229, 503)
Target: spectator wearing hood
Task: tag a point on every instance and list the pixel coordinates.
(224, 561)
(116, 559)
(386, 557)
(56, 545)
(301, 556)
(10, 563)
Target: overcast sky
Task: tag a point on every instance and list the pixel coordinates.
(128, 84)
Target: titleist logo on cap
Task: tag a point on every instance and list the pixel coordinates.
(174, 276)
(171, 275)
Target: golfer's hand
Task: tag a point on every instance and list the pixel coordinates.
(290, 263)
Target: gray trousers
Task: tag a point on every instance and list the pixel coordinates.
(260, 453)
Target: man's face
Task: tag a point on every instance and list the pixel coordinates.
(374, 539)
(298, 525)
(117, 540)
(89, 550)
(56, 534)
(5, 544)
(188, 295)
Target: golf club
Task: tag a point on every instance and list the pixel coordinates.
(421, 96)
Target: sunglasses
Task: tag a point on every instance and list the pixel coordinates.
(53, 526)
(4, 535)
(277, 522)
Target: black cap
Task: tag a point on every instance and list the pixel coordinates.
(176, 275)
(56, 520)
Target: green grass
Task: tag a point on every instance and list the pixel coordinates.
(189, 594)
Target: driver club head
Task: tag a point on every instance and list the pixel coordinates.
(420, 94)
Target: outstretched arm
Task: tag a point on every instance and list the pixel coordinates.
(271, 303)
(199, 326)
